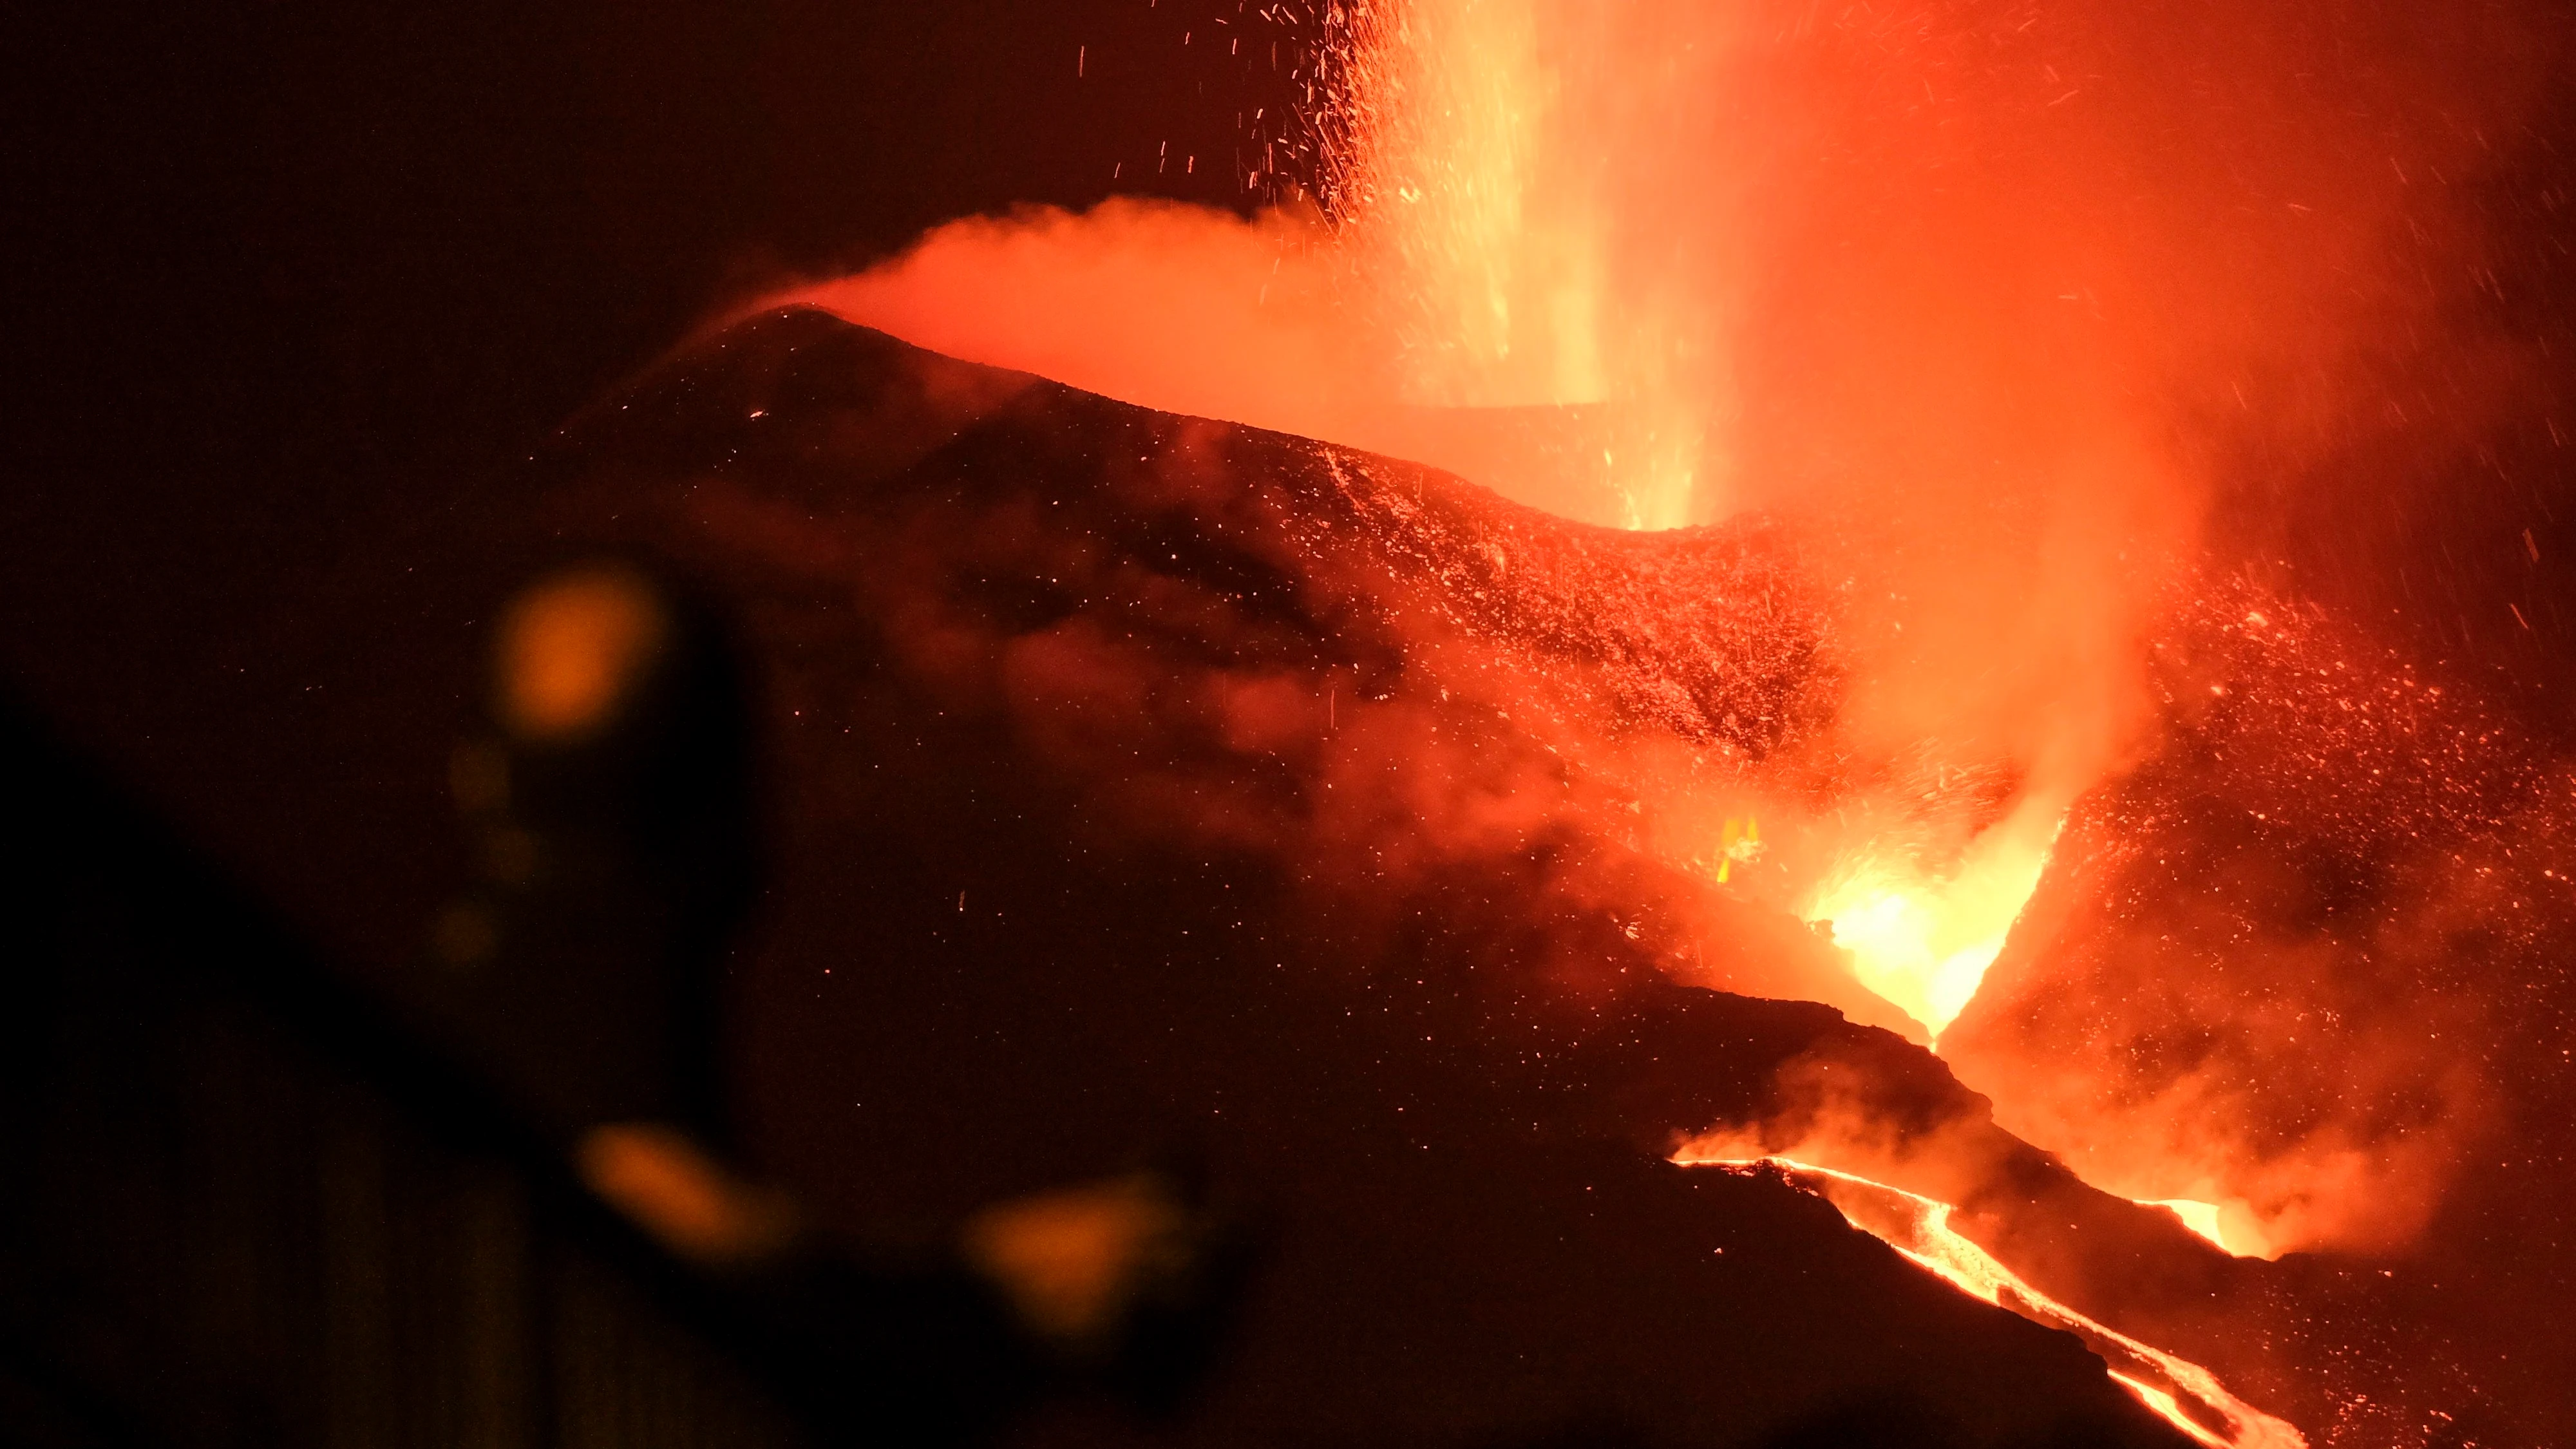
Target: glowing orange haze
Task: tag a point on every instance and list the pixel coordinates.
(1975, 291)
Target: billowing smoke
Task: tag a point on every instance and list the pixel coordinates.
(1996, 305)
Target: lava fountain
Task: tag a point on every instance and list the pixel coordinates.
(1977, 302)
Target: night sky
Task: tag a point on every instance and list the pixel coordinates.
(292, 286)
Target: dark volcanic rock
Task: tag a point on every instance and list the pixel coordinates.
(2314, 956)
(1150, 785)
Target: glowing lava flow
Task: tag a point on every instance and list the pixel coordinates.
(2230, 1227)
(2200, 1217)
(1925, 944)
(2184, 1393)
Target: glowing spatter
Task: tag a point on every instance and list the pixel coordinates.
(1512, 265)
(2184, 1393)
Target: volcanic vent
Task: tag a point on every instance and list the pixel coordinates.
(1566, 888)
(1334, 801)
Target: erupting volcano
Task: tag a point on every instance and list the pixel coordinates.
(1848, 551)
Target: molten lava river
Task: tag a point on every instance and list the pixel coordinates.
(1849, 554)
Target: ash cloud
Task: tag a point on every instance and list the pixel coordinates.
(2020, 317)
(2296, 964)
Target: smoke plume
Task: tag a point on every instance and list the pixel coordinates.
(1994, 305)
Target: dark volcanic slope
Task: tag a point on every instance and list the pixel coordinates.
(1146, 784)
(2314, 956)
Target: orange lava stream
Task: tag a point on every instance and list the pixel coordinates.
(2184, 1393)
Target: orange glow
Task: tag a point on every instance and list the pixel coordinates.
(2231, 1227)
(1984, 314)
(1924, 941)
(1505, 260)
(1547, 233)
(1739, 844)
(1069, 1259)
(572, 647)
(2187, 1395)
(669, 1185)
(2170, 1407)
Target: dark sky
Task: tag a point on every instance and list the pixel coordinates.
(288, 285)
